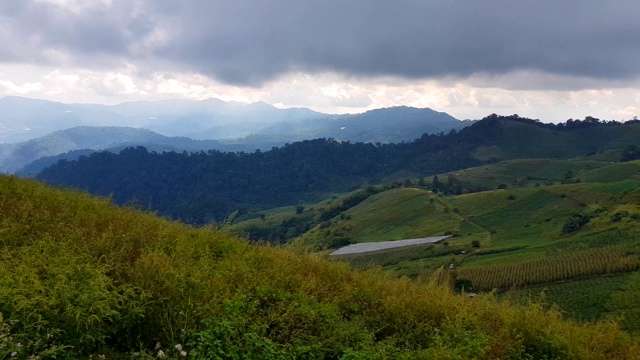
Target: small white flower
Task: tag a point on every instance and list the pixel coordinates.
(14, 354)
(183, 353)
(178, 347)
(158, 345)
(161, 354)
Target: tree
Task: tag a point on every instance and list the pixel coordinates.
(576, 222)
(475, 244)
(435, 184)
(299, 209)
(453, 185)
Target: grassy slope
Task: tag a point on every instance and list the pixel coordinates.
(519, 230)
(79, 276)
(408, 212)
(536, 172)
(393, 215)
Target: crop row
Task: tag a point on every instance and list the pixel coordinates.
(569, 265)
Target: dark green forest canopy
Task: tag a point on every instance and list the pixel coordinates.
(209, 186)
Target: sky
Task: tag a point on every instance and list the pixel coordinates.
(548, 60)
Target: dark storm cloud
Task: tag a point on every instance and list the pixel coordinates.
(249, 42)
(32, 31)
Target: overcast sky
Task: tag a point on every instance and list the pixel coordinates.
(551, 60)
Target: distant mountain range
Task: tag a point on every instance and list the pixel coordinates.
(33, 129)
(29, 157)
(388, 125)
(23, 119)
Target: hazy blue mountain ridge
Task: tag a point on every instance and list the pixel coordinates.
(388, 125)
(171, 125)
(23, 119)
(17, 157)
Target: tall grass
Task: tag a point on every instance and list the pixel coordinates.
(80, 277)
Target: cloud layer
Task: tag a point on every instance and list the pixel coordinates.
(249, 43)
(543, 59)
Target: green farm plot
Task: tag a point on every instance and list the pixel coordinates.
(559, 266)
(519, 217)
(517, 255)
(541, 172)
(624, 302)
(537, 169)
(396, 214)
(517, 233)
(611, 236)
(609, 156)
(399, 214)
(580, 299)
(614, 172)
(595, 193)
(610, 297)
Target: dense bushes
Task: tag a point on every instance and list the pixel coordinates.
(576, 222)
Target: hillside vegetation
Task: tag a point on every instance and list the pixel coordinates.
(203, 187)
(80, 277)
(544, 230)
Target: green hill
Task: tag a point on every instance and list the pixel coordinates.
(82, 278)
(280, 225)
(536, 234)
(396, 214)
(532, 172)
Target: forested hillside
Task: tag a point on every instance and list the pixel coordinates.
(209, 186)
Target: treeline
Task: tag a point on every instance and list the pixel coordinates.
(208, 186)
(570, 124)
